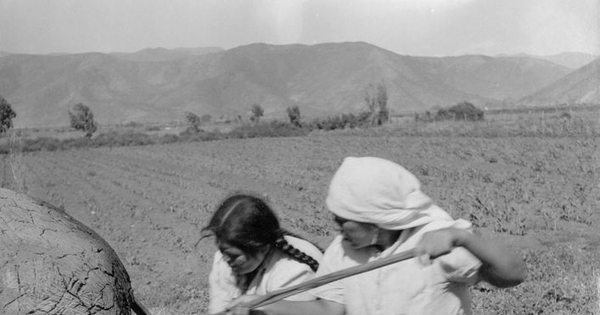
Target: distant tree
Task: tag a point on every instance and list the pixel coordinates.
(6, 115)
(376, 100)
(382, 99)
(426, 116)
(294, 115)
(82, 119)
(461, 111)
(370, 99)
(193, 122)
(257, 112)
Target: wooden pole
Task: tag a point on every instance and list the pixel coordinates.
(325, 279)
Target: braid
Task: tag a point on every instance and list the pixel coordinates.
(295, 253)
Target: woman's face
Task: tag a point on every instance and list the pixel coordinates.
(241, 262)
(357, 234)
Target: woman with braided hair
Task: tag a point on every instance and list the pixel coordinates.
(256, 256)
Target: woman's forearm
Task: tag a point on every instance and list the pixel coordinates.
(501, 266)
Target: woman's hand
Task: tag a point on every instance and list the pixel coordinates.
(501, 267)
(439, 242)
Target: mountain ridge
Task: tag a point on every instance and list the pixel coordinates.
(158, 85)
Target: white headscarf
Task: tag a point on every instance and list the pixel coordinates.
(381, 192)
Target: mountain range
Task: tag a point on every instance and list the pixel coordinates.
(160, 85)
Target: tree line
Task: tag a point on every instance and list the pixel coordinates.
(81, 116)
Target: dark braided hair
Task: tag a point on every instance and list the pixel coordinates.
(248, 223)
(295, 253)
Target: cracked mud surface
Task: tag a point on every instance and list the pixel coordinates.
(52, 264)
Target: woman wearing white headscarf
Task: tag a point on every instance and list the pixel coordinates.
(381, 210)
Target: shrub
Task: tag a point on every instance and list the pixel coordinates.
(119, 139)
(6, 115)
(460, 111)
(344, 121)
(294, 115)
(168, 138)
(193, 122)
(427, 116)
(257, 112)
(42, 144)
(270, 129)
(190, 135)
(82, 118)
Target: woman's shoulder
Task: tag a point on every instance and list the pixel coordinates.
(338, 248)
(340, 255)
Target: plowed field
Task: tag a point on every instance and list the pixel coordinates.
(539, 195)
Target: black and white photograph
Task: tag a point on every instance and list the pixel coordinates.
(283, 157)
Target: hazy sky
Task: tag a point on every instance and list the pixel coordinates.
(410, 27)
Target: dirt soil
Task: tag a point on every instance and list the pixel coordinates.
(150, 203)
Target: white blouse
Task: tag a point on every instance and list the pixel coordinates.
(406, 287)
(278, 271)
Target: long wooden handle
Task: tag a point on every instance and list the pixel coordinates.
(328, 278)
